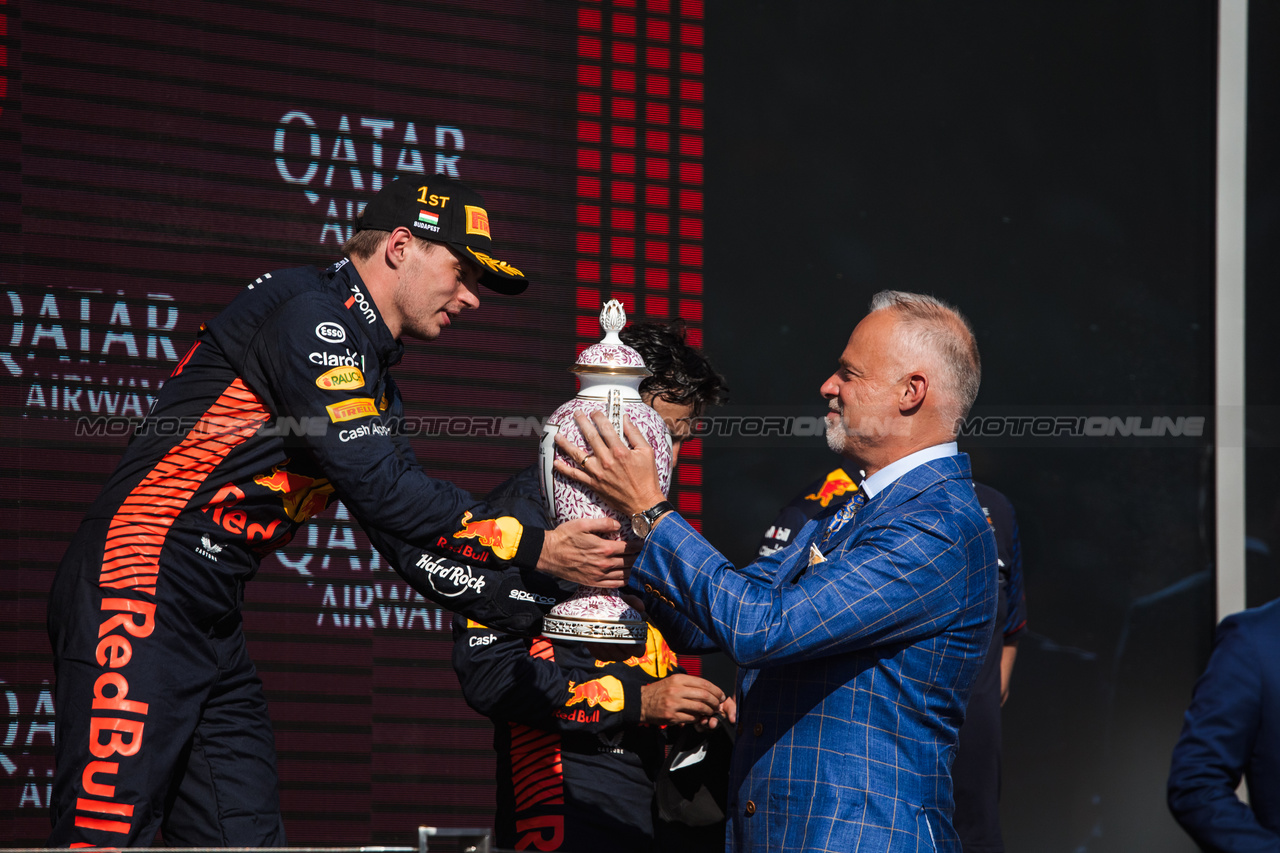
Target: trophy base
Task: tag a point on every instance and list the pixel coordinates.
(622, 631)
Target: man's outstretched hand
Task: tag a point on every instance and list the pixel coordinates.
(577, 551)
(626, 477)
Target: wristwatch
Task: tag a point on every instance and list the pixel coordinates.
(642, 522)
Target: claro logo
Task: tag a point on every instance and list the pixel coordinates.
(328, 359)
(363, 303)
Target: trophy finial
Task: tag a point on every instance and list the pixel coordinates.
(610, 355)
(612, 318)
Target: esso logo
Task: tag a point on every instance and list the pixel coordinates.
(331, 332)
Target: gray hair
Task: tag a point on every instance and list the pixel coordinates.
(927, 326)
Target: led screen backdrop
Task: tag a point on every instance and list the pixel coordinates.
(157, 157)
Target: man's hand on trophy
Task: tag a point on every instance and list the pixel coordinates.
(626, 477)
(578, 551)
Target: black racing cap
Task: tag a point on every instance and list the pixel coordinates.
(445, 211)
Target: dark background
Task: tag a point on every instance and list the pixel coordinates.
(1047, 167)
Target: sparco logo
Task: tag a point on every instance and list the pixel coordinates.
(365, 308)
(331, 332)
(522, 595)
(455, 577)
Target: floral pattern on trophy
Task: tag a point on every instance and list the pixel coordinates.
(610, 373)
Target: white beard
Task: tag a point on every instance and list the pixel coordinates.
(836, 436)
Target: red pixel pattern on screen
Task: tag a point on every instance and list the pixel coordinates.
(640, 148)
(161, 157)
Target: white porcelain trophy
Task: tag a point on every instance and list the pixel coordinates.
(609, 377)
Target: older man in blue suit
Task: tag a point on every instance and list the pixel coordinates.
(858, 643)
(1231, 731)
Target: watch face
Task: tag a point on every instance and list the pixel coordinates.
(640, 525)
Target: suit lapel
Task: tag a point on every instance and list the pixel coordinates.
(896, 493)
(804, 558)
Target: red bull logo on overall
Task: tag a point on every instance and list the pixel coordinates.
(836, 484)
(658, 660)
(110, 736)
(499, 535)
(303, 496)
(606, 692)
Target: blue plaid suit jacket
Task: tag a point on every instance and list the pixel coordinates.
(854, 672)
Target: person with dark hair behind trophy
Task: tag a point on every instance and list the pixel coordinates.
(580, 740)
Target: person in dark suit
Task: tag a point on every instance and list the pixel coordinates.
(858, 643)
(1232, 730)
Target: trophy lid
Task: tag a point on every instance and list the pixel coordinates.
(610, 356)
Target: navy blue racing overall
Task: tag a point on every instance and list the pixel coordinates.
(283, 404)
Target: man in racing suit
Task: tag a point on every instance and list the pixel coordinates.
(579, 741)
(284, 403)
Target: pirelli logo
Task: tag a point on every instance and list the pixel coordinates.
(477, 220)
(349, 410)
